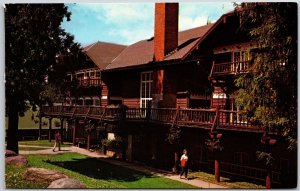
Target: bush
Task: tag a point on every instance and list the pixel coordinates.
(116, 143)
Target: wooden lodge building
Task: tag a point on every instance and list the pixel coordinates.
(179, 80)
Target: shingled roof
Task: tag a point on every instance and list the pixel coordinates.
(141, 53)
(103, 53)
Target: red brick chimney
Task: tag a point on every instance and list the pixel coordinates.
(165, 29)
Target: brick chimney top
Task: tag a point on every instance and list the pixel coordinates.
(165, 29)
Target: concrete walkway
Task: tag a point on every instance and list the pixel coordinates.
(134, 166)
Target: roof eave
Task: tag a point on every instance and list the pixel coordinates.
(208, 33)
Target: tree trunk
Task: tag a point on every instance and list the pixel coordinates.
(12, 132)
(40, 128)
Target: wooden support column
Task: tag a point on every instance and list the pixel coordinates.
(268, 142)
(62, 129)
(88, 138)
(74, 131)
(269, 178)
(50, 129)
(40, 127)
(217, 170)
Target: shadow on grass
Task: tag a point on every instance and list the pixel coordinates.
(97, 169)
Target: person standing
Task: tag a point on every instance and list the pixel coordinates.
(57, 141)
(183, 164)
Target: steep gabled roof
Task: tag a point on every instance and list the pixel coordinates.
(211, 29)
(141, 53)
(103, 53)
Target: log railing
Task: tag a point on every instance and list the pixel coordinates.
(244, 171)
(136, 113)
(219, 118)
(233, 119)
(89, 82)
(195, 116)
(226, 68)
(163, 114)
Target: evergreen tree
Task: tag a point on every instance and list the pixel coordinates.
(268, 94)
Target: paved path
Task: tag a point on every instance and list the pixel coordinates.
(135, 166)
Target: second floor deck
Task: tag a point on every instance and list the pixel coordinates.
(197, 118)
(230, 68)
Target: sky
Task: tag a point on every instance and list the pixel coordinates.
(127, 23)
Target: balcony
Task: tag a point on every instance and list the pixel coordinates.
(196, 118)
(89, 82)
(230, 68)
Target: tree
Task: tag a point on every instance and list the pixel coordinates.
(34, 42)
(268, 94)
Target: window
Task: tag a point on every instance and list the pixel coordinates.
(240, 59)
(88, 102)
(96, 102)
(98, 74)
(80, 102)
(146, 89)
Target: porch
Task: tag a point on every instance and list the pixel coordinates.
(196, 118)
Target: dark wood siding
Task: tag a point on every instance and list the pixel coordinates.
(182, 102)
(132, 102)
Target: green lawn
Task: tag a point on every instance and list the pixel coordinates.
(44, 143)
(94, 173)
(30, 148)
(225, 181)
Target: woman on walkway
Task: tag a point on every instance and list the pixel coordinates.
(57, 141)
(183, 164)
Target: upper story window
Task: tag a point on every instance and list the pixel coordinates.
(146, 88)
(98, 74)
(241, 56)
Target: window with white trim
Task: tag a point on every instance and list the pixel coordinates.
(146, 89)
(241, 58)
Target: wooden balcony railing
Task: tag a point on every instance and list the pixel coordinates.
(219, 118)
(219, 69)
(136, 113)
(249, 172)
(233, 119)
(89, 82)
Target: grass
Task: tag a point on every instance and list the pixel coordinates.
(44, 143)
(227, 182)
(30, 148)
(13, 178)
(95, 173)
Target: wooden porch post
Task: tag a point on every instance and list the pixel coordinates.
(74, 131)
(50, 129)
(88, 138)
(40, 127)
(269, 178)
(217, 169)
(62, 129)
